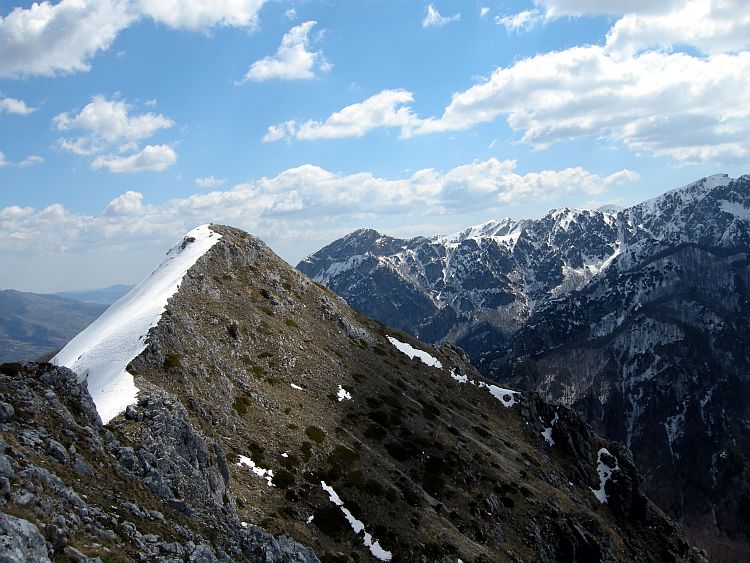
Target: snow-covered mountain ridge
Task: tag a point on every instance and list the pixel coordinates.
(101, 352)
(498, 273)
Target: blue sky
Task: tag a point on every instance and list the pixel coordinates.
(125, 123)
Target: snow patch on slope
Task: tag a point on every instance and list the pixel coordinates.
(507, 397)
(461, 378)
(337, 268)
(101, 352)
(605, 474)
(736, 209)
(412, 352)
(357, 525)
(342, 394)
(266, 474)
(547, 433)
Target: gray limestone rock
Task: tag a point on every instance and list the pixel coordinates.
(7, 412)
(20, 541)
(6, 468)
(58, 451)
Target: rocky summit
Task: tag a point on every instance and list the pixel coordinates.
(636, 318)
(271, 422)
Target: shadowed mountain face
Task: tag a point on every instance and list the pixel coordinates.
(655, 354)
(264, 400)
(637, 319)
(32, 325)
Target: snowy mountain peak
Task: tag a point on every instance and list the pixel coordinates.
(101, 353)
(497, 273)
(490, 228)
(690, 192)
(610, 208)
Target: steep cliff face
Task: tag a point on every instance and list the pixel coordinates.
(637, 319)
(262, 399)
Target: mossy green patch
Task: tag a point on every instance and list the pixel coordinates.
(315, 434)
(241, 404)
(171, 361)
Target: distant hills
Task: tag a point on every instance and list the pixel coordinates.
(33, 324)
(104, 296)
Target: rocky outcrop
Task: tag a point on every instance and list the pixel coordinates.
(74, 490)
(21, 541)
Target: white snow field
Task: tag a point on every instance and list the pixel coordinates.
(412, 352)
(101, 352)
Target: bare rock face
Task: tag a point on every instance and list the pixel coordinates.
(20, 541)
(271, 416)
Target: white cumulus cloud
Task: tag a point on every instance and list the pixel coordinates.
(29, 161)
(298, 202)
(106, 123)
(712, 26)
(196, 15)
(153, 158)
(292, 61)
(51, 39)
(129, 203)
(209, 182)
(522, 21)
(108, 126)
(48, 39)
(25, 163)
(433, 18)
(14, 106)
(690, 108)
(386, 109)
(654, 101)
(559, 8)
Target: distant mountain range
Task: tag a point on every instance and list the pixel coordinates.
(638, 318)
